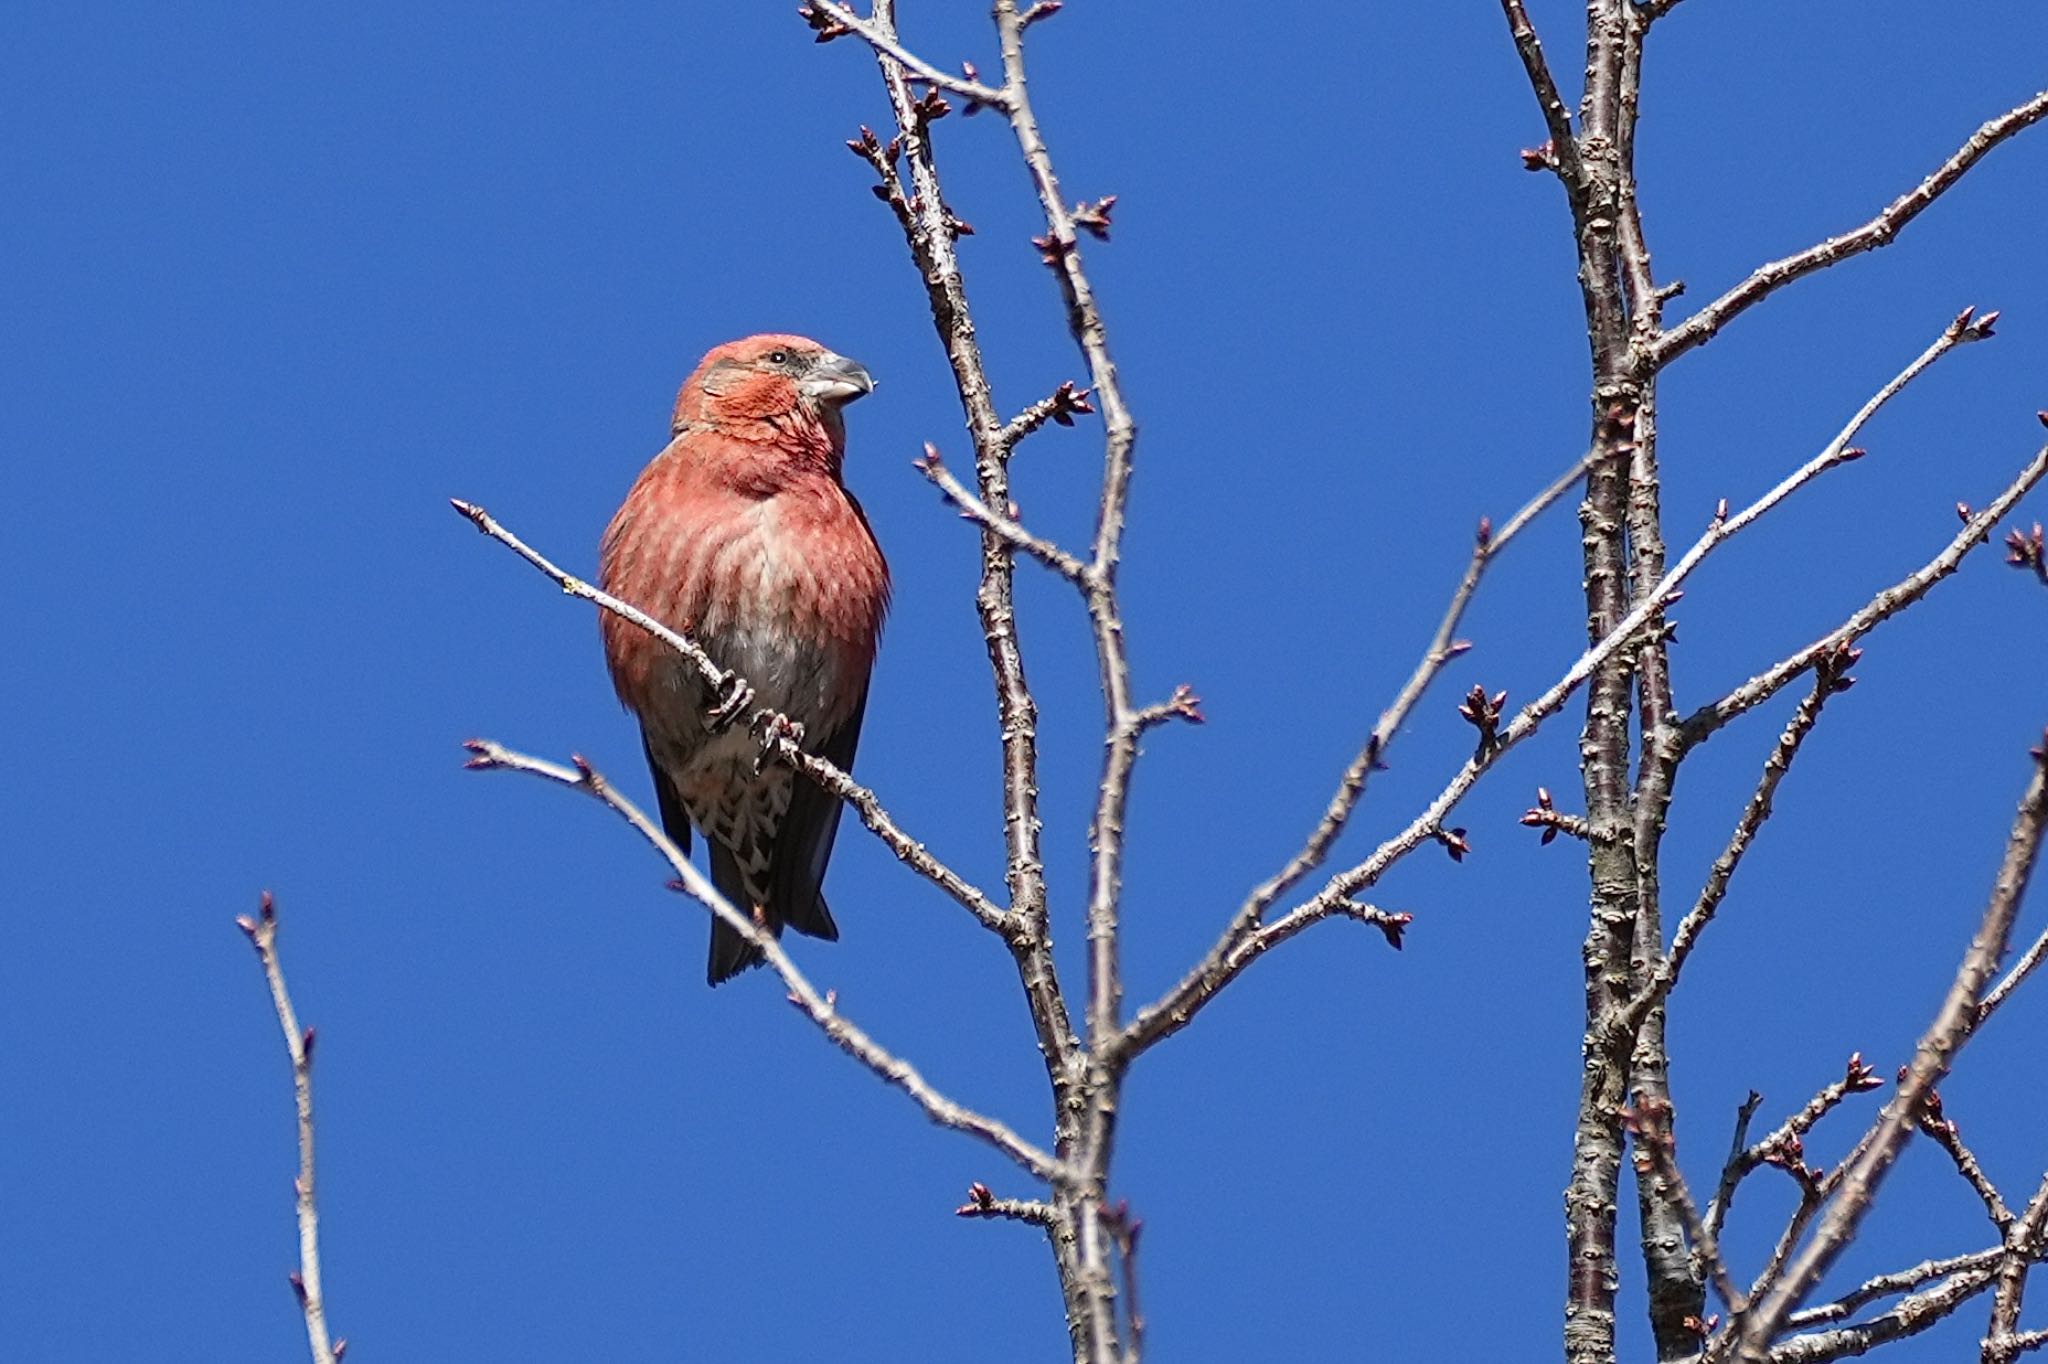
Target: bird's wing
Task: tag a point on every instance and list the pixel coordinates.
(804, 844)
(675, 819)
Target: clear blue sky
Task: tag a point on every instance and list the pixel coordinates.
(282, 279)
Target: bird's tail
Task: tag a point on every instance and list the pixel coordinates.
(731, 953)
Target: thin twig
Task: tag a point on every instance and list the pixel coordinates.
(1944, 1039)
(1443, 646)
(770, 723)
(1949, 1138)
(1239, 945)
(1879, 231)
(1908, 1317)
(2029, 961)
(820, 1008)
(1705, 721)
(1060, 406)
(1092, 1310)
(1735, 1167)
(982, 1202)
(1563, 148)
(930, 230)
(1830, 677)
(1887, 1285)
(262, 933)
(882, 37)
(1006, 528)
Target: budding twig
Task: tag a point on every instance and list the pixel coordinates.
(1944, 1039)
(1879, 231)
(983, 1203)
(1545, 816)
(262, 934)
(1005, 528)
(884, 40)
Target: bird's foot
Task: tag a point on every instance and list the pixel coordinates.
(770, 729)
(733, 697)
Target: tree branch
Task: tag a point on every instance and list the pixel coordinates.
(820, 1008)
(1704, 722)
(879, 33)
(1005, 528)
(775, 726)
(1944, 1039)
(262, 933)
(2025, 1239)
(1879, 231)
(1563, 148)
(930, 231)
(1830, 677)
(1235, 950)
(1443, 646)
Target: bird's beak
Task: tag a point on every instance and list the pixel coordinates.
(836, 379)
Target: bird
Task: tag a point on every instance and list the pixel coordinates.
(741, 534)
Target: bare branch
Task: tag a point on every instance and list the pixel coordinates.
(1830, 678)
(1784, 1147)
(1060, 407)
(882, 37)
(1228, 957)
(2025, 1240)
(930, 231)
(719, 681)
(1563, 149)
(1895, 1282)
(982, 1202)
(1182, 705)
(2029, 961)
(1443, 646)
(1547, 817)
(1062, 251)
(1909, 1317)
(1879, 231)
(262, 933)
(1735, 1167)
(1702, 723)
(773, 724)
(820, 1008)
(996, 523)
(2021, 1342)
(1949, 1138)
(1944, 1039)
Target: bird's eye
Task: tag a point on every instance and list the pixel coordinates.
(778, 357)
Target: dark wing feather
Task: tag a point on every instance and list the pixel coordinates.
(675, 820)
(804, 844)
(730, 953)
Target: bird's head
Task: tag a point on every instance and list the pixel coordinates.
(771, 387)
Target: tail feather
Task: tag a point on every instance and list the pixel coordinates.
(731, 953)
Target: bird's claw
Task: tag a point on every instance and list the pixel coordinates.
(770, 730)
(733, 697)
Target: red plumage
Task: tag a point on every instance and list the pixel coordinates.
(741, 535)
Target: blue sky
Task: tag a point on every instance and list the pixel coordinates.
(283, 279)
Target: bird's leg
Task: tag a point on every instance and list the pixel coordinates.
(770, 729)
(733, 696)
